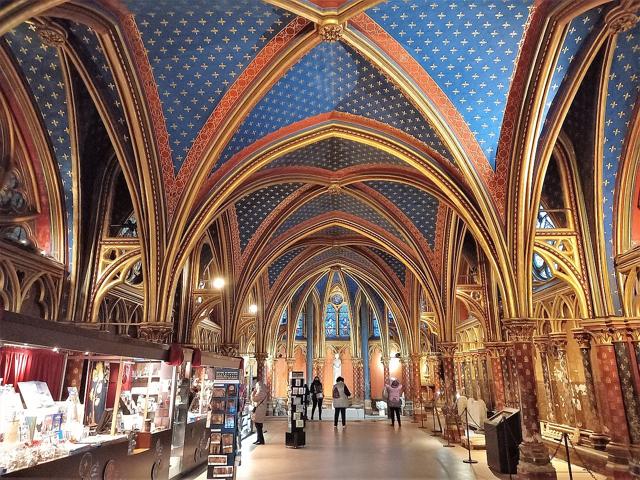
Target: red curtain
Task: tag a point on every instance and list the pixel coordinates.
(25, 365)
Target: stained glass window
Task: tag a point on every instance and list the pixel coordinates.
(300, 326)
(376, 328)
(330, 322)
(283, 318)
(343, 321)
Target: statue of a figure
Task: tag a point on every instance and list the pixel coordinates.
(337, 366)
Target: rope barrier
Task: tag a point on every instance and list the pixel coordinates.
(584, 464)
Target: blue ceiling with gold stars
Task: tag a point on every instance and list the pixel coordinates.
(622, 95)
(279, 264)
(576, 37)
(332, 77)
(89, 48)
(43, 73)
(197, 48)
(396, 265)
(335, 154)
(252, 209)
(418, 205)
(468, 48)
(340, 203)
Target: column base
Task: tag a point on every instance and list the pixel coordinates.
(534, 462)
(618, 461)
(599, 441)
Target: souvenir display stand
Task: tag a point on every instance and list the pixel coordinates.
(295, 436)
(189, 446)
(223, 423)
(73, 413)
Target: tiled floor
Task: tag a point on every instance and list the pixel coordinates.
(364, 450)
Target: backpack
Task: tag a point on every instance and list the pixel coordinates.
(394, 396)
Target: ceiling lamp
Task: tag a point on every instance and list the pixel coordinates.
(218, 283)
(253, 309)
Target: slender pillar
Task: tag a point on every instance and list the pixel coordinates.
(475, 375)
(494, 349)
(566, 397)
(506, 377)
(542, 344)
(598, 438)
(448, 349)
(513, 374)
(290, 362)
(358, 377)
(309, 325)
(364, 330)
(261, 359)
(416, 381)
(611, 401)
(483, 378)
(534, 457)
(385, 368)
(406, 376)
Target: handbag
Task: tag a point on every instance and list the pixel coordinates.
(319, 395)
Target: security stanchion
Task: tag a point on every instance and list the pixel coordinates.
(469, 460)
(565, 437)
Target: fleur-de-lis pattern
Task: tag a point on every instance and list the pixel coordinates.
(468, 48)
(276, 268)
(88, 45)
(335, 154)
(332, 77)
(577, 33)
(394, 264)
(418, 205)
(197, 48)
(341, 203)
(252, 209)
(41, 68)
(622, 94)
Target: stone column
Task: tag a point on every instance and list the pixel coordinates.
(460, 375)
(406, 377)
(513, 376)
(268, 373)
(358, 378)
(290, 363)
(506, 377)
(484, 379)
(611, 401)
(261, 373)
(448, 349)
(598, 438)
(494, 349)
(475, 377)
(542, 344)
(416, 380)
(385, 367)
(567, 402)
(534, 457)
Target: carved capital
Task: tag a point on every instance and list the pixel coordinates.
(385, 361)
(520, 329)
(558, 342)
(261, 357)
(495, 349)
(51, 34)
(623, 17)
(357, 361)
(331, 32)
(448, 349)
(229, 349)
(155, 332)
(542, 344)
(583, 338)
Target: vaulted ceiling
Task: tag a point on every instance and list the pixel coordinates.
(323, 132)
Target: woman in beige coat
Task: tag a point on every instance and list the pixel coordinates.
(259, 402)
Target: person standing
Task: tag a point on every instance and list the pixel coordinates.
(259, 402)
(317, 396)
(341, 396)
(393, 394)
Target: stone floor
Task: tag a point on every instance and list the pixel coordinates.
(365, 450)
